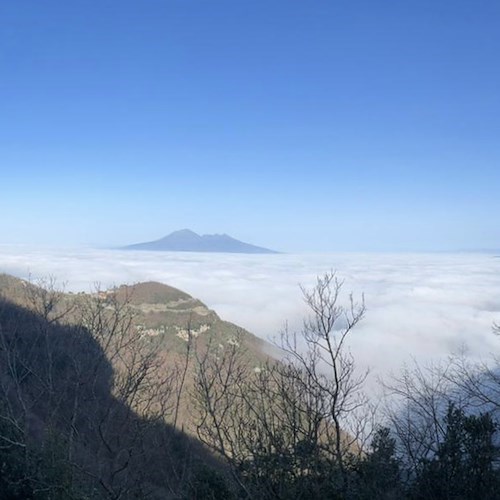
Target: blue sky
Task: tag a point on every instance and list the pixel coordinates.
(302, 126)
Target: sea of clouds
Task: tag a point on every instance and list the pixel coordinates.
(421, 306)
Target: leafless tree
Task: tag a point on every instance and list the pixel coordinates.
(327, 360)
(279, 423)
(417, 402)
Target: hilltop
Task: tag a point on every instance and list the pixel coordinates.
(158, 312)
(186, 240)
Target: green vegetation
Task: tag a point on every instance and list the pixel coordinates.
(143, 392)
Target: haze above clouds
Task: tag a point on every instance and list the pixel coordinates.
(419, 305)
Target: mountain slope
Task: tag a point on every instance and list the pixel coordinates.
(157, 312)
(155, 316)
(82, 394)
(186, 240)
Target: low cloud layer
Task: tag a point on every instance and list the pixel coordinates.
(418, 305)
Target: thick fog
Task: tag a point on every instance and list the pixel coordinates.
(424, 306)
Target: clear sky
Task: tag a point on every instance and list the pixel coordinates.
(301, 126)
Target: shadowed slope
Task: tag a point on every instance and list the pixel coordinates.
(67, 427)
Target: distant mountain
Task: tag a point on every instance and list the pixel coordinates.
(186, 240)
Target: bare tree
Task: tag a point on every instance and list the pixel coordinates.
(420, 398)
(287, 422)
(327, 360)
(416, 407)
(138, 383)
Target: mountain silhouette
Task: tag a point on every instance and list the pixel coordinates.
(186, 240)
